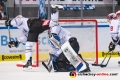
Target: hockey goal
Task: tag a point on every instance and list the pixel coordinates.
(86, 32)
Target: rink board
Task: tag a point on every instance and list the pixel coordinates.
(16, 54)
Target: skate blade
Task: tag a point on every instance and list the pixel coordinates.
(29, 68)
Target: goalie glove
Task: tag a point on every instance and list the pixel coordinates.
(13, 44)
(54, 40)
(111, 46)
(8, 23)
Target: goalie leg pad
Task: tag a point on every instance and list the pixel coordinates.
(73, 57)
(74, 44)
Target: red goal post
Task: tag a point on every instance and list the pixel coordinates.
(82, 25)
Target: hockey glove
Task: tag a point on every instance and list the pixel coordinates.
(8, 23)
(13, 44)
(111, 46)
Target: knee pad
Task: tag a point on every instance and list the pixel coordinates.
(72, 39)
(74, 44)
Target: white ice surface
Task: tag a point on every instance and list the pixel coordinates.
(9, 71)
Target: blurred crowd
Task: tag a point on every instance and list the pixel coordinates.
(2, 10)
(118, 2)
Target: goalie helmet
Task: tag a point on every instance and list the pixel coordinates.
(111, 16)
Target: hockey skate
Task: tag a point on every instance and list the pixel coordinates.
(87, 69)
(28, 65)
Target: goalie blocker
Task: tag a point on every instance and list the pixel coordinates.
(68, 60)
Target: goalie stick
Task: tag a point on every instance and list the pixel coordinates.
(43, 15)
(104, 65)
(49, 65)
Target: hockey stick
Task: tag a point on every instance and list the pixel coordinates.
(7, 18)
(42, 14)
(49, 65)
(48, 68)
(102, 65)
(107, 61)
(9, 33)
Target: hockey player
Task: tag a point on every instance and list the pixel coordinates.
(30, 28)
(57, 37)
(114, 20)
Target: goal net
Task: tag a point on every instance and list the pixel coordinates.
(86, 32)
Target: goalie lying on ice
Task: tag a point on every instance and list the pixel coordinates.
(64, 61)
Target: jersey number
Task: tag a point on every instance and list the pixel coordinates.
(111, 28)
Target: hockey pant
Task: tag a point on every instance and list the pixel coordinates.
(35, 28)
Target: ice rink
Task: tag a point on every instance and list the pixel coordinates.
(9, 71)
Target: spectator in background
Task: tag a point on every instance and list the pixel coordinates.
(2, 12)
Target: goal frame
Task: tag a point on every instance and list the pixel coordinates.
(69, 20)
